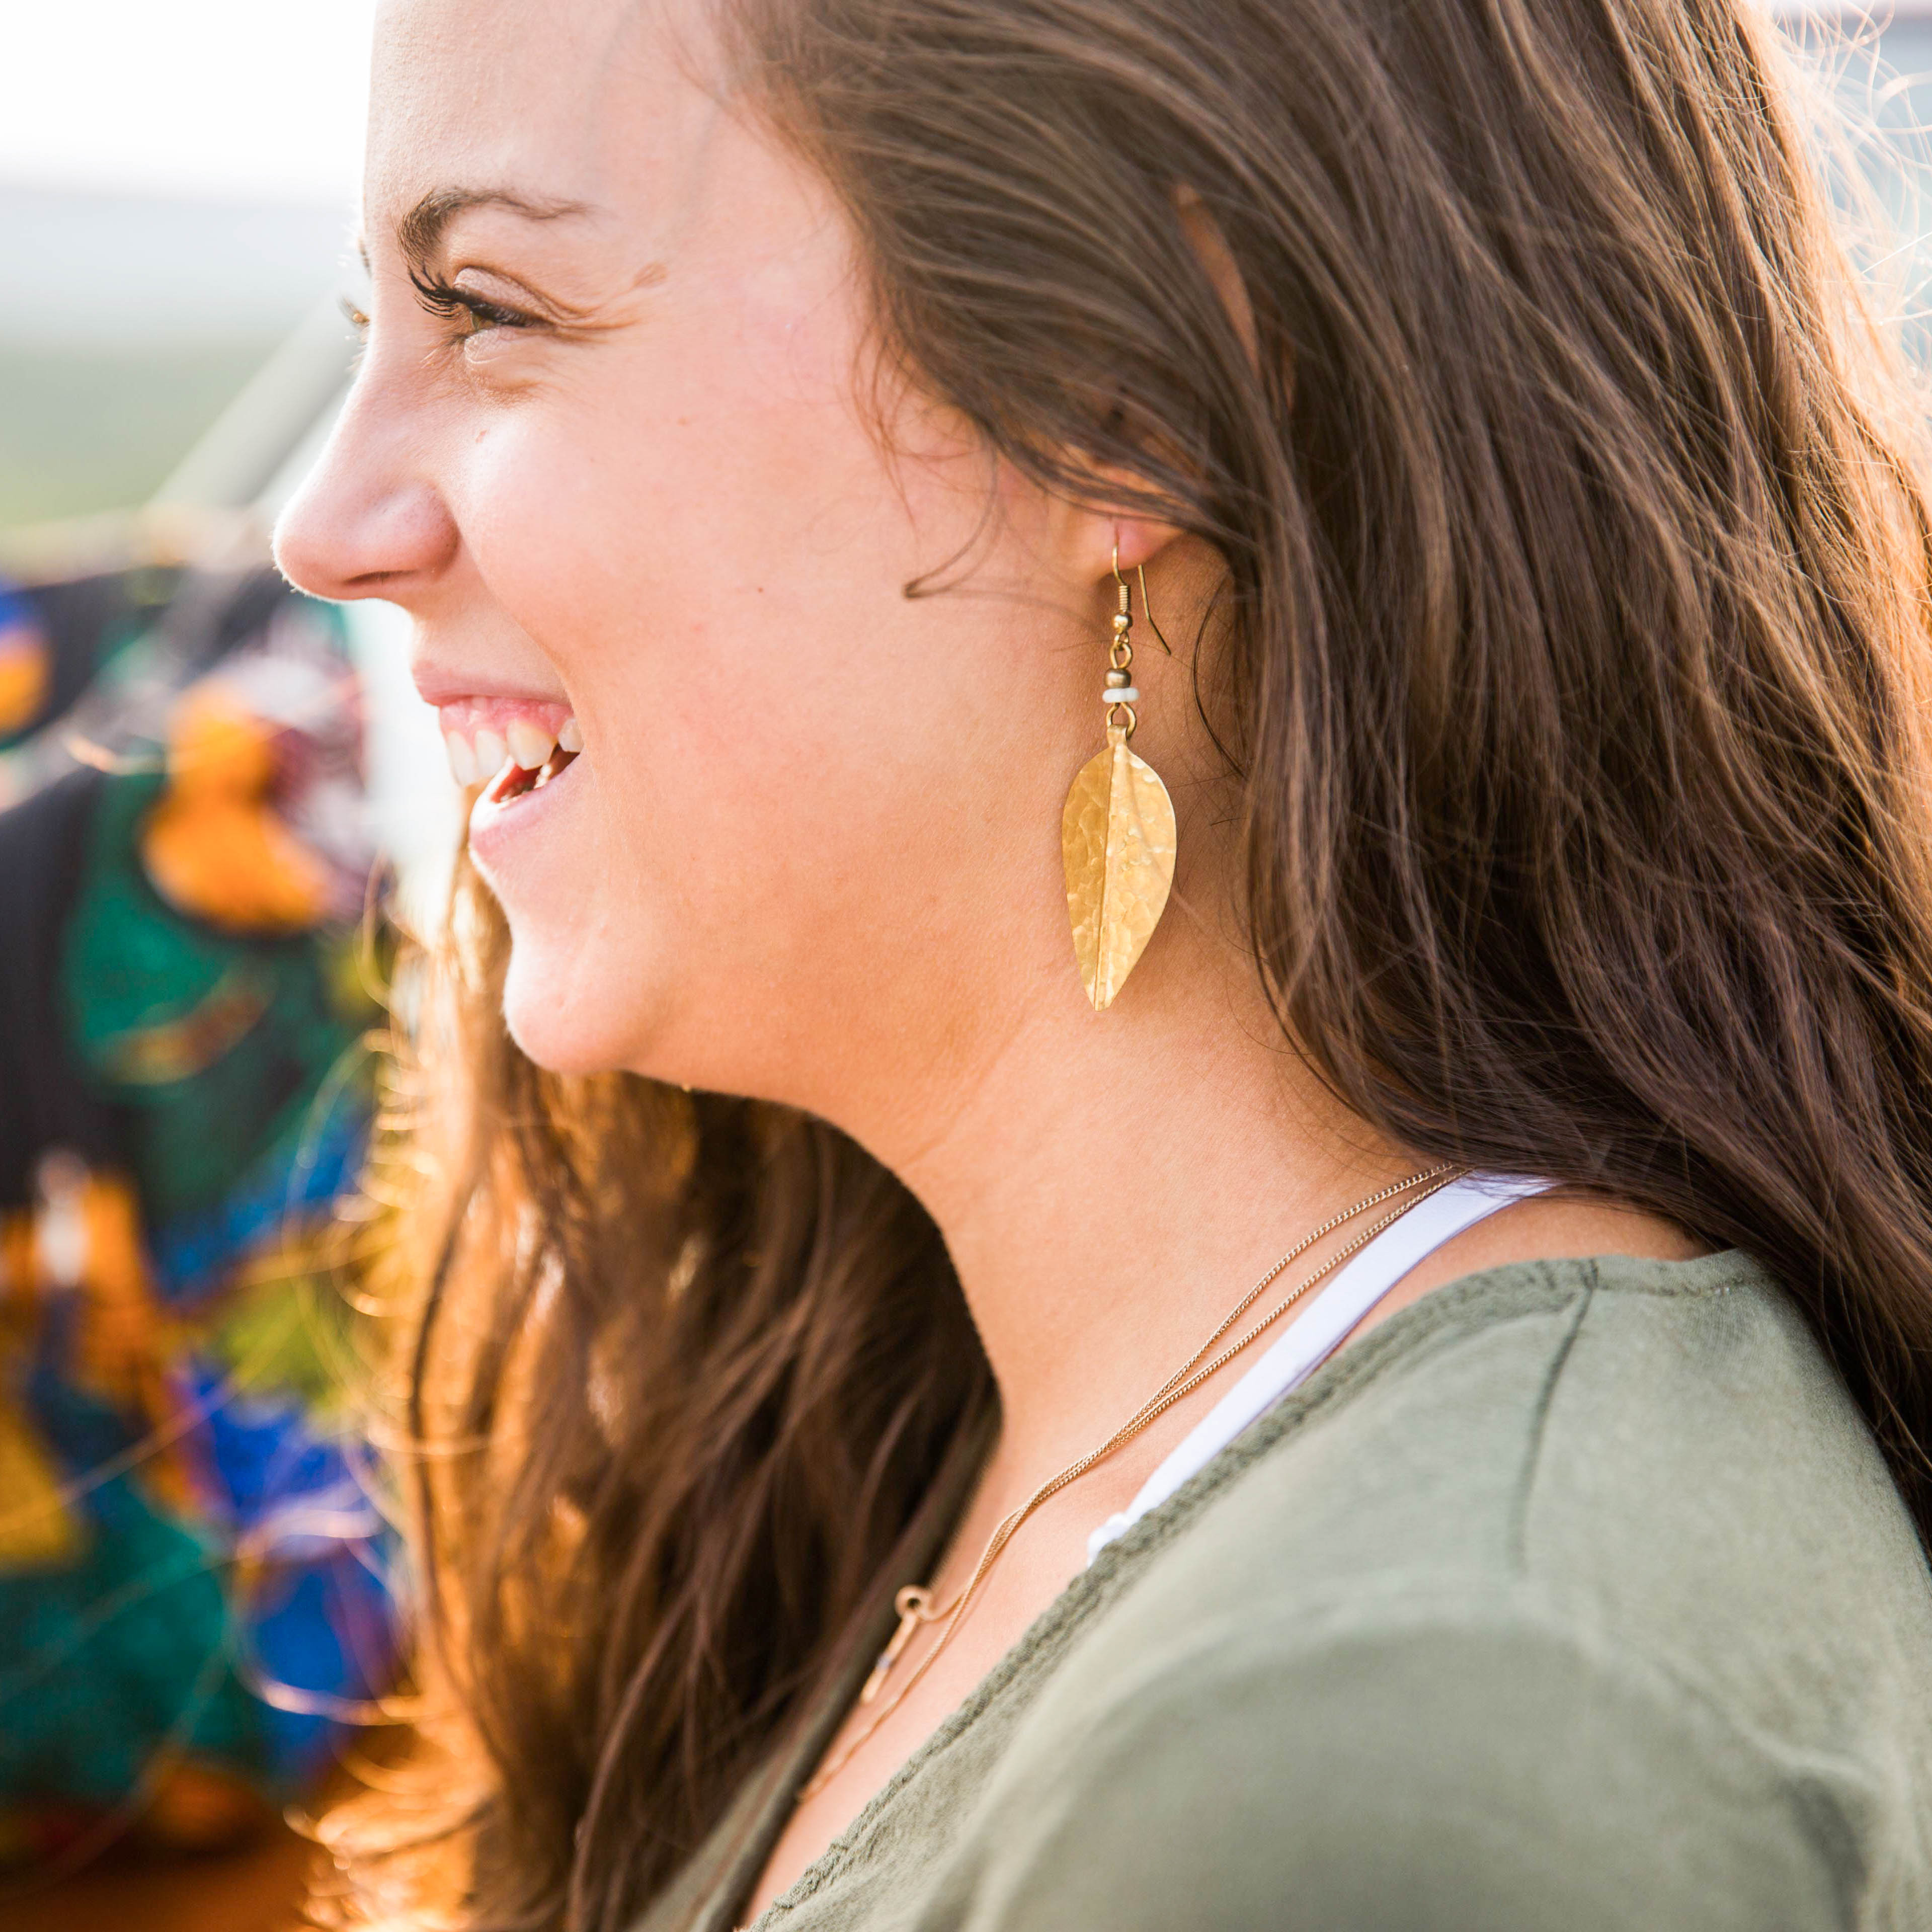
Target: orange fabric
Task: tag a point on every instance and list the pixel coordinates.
(37, 1525)
(18, 1282)
(26, 672)
(212, 846)
(202, 1807)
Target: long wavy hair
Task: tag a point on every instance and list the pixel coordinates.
(1568, 664)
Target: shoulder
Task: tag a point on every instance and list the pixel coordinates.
(1693, 1435)
(1658, 1449)
(1576, 1595)
(1599, 1426)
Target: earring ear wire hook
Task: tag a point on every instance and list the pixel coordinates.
(1147, 610)
(1147, 605)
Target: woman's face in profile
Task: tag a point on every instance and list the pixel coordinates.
(620, 445)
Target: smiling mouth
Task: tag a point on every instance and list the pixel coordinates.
(514, 780)
(510, 756)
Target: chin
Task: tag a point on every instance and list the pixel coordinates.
(560, 1019)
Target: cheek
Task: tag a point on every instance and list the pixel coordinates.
(712, 551)
(688, 501)
(720, 590)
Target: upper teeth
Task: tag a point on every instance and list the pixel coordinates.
(472, 758)
(530, 745)
(490, 752)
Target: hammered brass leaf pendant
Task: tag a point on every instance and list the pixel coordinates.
(1117, 837)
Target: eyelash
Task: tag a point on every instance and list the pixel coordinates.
(441, 299)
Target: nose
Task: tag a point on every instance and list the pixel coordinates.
(366, 521)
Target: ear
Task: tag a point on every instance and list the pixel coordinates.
(1210, 246)
(1090, 537)
(1141, 539)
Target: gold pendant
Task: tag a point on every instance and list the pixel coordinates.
(914, 1605)
(1117, 836)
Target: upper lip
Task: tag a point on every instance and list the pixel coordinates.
(439, 685)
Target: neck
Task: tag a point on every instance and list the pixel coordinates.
(1108, 1187)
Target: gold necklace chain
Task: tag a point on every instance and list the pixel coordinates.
(914, 1603)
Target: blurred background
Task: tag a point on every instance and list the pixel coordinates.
(216, 798)
(219, 802)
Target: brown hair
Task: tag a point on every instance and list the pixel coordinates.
(1566, 662)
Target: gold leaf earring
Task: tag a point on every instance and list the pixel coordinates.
(1116, 834)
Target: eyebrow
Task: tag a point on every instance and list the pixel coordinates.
(419, 234)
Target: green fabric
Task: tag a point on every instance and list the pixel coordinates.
(1575, 1596)
(131, 963)
(107, 1656)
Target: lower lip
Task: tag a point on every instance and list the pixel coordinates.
(497, 830)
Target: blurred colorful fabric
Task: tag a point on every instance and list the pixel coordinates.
(26, 664)
(192, 1572)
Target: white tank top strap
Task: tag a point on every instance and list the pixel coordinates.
(1320, 1328)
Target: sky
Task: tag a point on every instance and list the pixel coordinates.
(245, 100)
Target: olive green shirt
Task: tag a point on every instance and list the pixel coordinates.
(1576, 1596)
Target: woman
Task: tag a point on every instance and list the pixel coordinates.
(770, 412)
